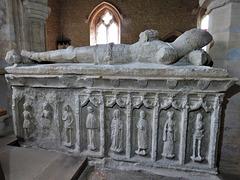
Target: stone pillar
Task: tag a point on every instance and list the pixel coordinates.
(22, 26)
(6, 37)
(224, 25)
(36, 13)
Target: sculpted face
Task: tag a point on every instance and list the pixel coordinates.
(170, 114)
(199, 116)
(142, 114)
(26, 106)
(116, 113)
(66, 108)
(90, 109)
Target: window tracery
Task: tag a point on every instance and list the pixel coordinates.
(105, 24)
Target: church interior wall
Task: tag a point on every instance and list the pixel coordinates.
(163, 16)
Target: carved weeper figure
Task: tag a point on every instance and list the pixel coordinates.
(91, 125)
(148, 49)
(142, 135)
(169, 136)
(116, 132)
(68, 117)
(47, 115)
(197, 138)
(27, 119)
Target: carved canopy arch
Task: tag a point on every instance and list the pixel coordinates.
(94, 19)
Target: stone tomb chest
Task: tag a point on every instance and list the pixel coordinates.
(150, 114)
(149, 104)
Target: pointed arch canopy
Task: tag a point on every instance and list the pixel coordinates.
(95, 20)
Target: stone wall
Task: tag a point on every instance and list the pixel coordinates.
(53, 30)
(164, 16)
(6, 36)
(224, 25)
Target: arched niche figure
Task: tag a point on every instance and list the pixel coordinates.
(91, 125)
(47, 115)
(68, 119)
(116, 132)
(27, 119)
(169, 136)
(142, 134)
(197, 138)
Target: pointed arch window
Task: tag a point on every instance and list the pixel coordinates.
(105, 24)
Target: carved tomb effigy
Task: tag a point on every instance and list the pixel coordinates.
(150, 102)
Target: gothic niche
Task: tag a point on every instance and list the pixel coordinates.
(197, 138)
(91, 125)
(171, 110)
(68, 119)
(90, 112)
(142, 134)
(116, 132)
(169, 136)
(117, 113)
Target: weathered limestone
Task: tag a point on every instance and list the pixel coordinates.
(134, 111)
(140, 113)
(158, 51)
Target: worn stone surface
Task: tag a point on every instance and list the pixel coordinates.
(56, 105)
(93, 173)
(158, 51)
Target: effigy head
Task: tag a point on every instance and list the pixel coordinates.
(148, 35)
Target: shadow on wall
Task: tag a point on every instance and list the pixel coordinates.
(229, 94)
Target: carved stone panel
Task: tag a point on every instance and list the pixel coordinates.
(151, 124)
(198, 130)
(169, 135)
(115, 121)
(90, 128)
(69, 123)
(142, 124)
(142, 132)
